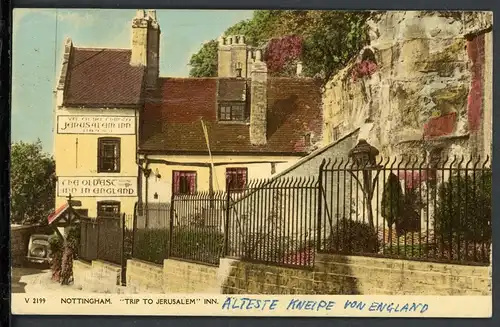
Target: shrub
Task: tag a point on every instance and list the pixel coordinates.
(410, 251)
(56, 247)
(463, 211)
(205, 245)
(349, 236)
(151, 244)
(198, 244)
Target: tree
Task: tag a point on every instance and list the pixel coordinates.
(204, 62)
(32, 183)
(328, 39)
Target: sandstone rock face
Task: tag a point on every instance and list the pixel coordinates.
(424, 83)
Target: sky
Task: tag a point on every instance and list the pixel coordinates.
(38, 42)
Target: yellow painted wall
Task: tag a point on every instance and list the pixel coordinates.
(163, 186)
(81, 160)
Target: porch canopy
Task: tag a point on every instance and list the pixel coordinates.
(64, 215)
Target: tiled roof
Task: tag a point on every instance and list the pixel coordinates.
(174, 123)
(102, 77)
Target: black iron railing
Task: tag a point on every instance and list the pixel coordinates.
(407, 208)
(151, 232)
(197, 227)
(274, 222)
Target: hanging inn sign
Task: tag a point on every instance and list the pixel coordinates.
(114, 186)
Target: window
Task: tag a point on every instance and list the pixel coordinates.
(108, 155)
(184, 182)
(336, 133)
(232, 112)
(236, 179)
(307, 139)
(108, 209)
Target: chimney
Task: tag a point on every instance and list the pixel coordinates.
(232, 50)
(258, 101)
(146, 45)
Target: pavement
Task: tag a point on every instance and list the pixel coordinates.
(36, 279)
(18, 273)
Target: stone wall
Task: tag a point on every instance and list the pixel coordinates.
(19, 241)
(99, 277)
(186, 277)
(423, 82)
(144, 277)
(344, 275)
(333, 274)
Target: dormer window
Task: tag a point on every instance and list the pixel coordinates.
(307, 139)
(232, 112)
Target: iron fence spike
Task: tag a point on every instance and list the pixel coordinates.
(454, 160)
(486, 161)
(469, 162)
(445, 161)
(328, 162)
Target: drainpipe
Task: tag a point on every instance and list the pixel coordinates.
(146, 172)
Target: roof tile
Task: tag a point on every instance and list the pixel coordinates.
(102, 77)
(174, 124)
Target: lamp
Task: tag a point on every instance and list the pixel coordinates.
(364, 154)
(147, 172)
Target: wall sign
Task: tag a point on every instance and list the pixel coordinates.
(115, 125)
(109, 186)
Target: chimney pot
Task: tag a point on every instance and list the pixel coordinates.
(258, 55)
(152, 14)
(140, 13)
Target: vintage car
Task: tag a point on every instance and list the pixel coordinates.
(39, 249)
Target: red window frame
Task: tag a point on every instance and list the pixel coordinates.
(184, 182)
(236, 179)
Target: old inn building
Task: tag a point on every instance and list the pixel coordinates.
(126, 135)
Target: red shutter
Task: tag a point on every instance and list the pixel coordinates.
(192, 182)
(177, 177)
(243, 178)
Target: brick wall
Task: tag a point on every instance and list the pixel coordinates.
(359, 275)
(19, 240)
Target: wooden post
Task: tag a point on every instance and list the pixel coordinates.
(123, 259)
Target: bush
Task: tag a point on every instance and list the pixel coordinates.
(151, 244)
(349, 236)
(205, 245)
(197, 244)
(56, 247)
(69, 254)
(415, 251)
(463, 211)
